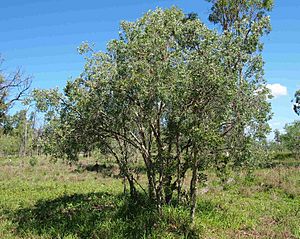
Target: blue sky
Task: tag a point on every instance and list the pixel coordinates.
(41, 37)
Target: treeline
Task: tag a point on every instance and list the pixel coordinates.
(286, 145)
(20, 135)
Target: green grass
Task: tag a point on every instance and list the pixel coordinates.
(47, 200)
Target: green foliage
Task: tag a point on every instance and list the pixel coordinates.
(9, 145)
(296, 106)
(169, 91)
(282, 157)
(237, 15)
(33, 161)
(261, 155)
(291, 137)
(18, 134)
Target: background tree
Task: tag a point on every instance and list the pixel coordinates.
(18, 134)
(276, 145)
(244, 23)
(13, 87)
(291, 138)
(296, 106)
(277, 136)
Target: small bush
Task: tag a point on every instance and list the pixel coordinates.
(33, 161)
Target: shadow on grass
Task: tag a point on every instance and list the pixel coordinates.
(95, 215)
(107, 170)
(104, 169)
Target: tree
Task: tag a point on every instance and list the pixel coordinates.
(296, 106)
(233, 15)
(17, 134)
(170, 91)
(277, 136)
(291, 137)
(13, 86)
(245, 22)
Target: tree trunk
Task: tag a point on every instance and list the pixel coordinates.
(193, 187)
(133, 192)
(151, 185)
(150, 177)
(168, 189)
(159, 194)
(124, 185)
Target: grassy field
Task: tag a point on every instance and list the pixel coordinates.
(41, 199)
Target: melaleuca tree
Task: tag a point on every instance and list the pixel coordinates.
(296, 106)
(54, 131)
(244, 23)
(237, 15)
(162, 89)
(291, 138)
(168, 90)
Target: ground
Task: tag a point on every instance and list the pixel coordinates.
(44, 199)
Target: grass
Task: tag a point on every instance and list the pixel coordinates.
(54, 200)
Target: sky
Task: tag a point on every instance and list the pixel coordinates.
(41, 37)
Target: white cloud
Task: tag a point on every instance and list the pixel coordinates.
(277, 89)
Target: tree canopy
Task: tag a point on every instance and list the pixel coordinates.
(296, 106)
(291, 137)
(13, 87)
(170, 91)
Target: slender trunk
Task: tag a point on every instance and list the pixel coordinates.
(168, 189)
(179, 178)
(161, 176)
(124, 185)
(23, 146)
(193, 187)
(182, 169)
(25, 139)
(159, 193)
(160, 182)
(160, 161)
(168, 186)
(150, 177)
(151, 186)
(132, 188)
